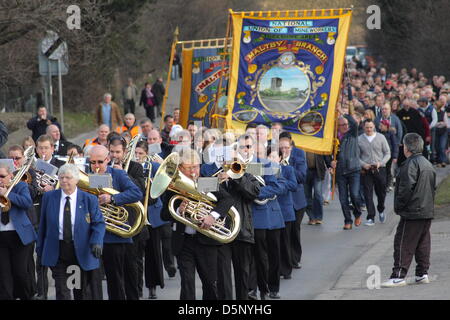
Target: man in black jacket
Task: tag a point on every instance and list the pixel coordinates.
(61, 145)
(414, 203)
(134, 263)
(38, 124)
(158, 91)
(244, 191)
(195, 251)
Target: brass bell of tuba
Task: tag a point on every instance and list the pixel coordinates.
(125, 221)
(224, 230)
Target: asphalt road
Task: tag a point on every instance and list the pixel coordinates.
(283, 105)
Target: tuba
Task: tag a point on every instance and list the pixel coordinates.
(125, 221)
(129, 152)
(200, 204)
(19, 175)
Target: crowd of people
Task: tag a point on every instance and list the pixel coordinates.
(64, 225)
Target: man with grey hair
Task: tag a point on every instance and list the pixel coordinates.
(61, 145)
(67, 212)
(108, 112)
(414, 203)
(195, 251)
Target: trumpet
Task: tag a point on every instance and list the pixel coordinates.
(156, 157)
(5, 203)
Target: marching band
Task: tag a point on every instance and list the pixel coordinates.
(133, 208)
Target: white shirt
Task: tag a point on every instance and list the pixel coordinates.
(188, 229)
(370, 138)
(73, 208)
(56, 146)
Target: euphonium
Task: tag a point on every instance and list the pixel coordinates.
(199, 204)
(5, 203)
(125, 221)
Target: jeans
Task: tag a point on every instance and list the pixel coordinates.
(441, 147)
(314, 208)
(349, 185)
(374, 181)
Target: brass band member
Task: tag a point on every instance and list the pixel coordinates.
(114, 247)
(195, 251)
(244, 191)
(134, 263)
(71, 212)
(16, 235)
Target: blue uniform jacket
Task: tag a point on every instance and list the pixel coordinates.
(298, 161)
(20, 202)
(285, 199)
(129, 193)
(154, 210)
(268, 216)
(89, 229)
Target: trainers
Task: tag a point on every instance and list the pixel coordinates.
(396, 282)
(422, 279)
(363, 208)
(369, 223)
(382, 217)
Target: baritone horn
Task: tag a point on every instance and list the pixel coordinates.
(224, 230)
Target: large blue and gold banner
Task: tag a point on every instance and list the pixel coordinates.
(202, 69)
(287, 67)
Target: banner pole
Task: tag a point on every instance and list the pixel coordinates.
(214, 118)
(172, 54)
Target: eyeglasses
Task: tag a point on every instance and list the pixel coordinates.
(3, 177)
(16, 158)
(248, 146)
(193, 168)
(97, 161)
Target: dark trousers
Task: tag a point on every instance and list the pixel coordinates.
(154, 273)
(224, 282)
(150, 112)
(32, 269)
(240, 254)
(412, 239)
(286, 248)
(131, 274)
(14, 267)
(253, 278)
(349, 185)
(140, 251)
(129, 106)
(313, 194)
(267, 259)
(165, 232)
(389, 177)
(195, 255)
(64, 269)
(114, 264)
(374, 180)
(296, 243)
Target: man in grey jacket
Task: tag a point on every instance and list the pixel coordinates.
(374, 154)
(414, 203)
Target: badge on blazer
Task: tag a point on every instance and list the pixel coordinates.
(88, 217)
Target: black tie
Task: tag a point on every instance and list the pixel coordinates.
(67, 222)
(5, 217)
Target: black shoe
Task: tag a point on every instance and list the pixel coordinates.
(274, 295)
(287, 276)
(153, 293)
(39, 297)
(263, 296)
(172, 271)
(252, 295)
(297, 265)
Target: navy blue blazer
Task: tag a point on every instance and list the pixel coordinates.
(298, 161)
(268, 216)
(20, 202)
(285, 200)
(208, 169)
(89, 229)
(154, 210)
(129, 193)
